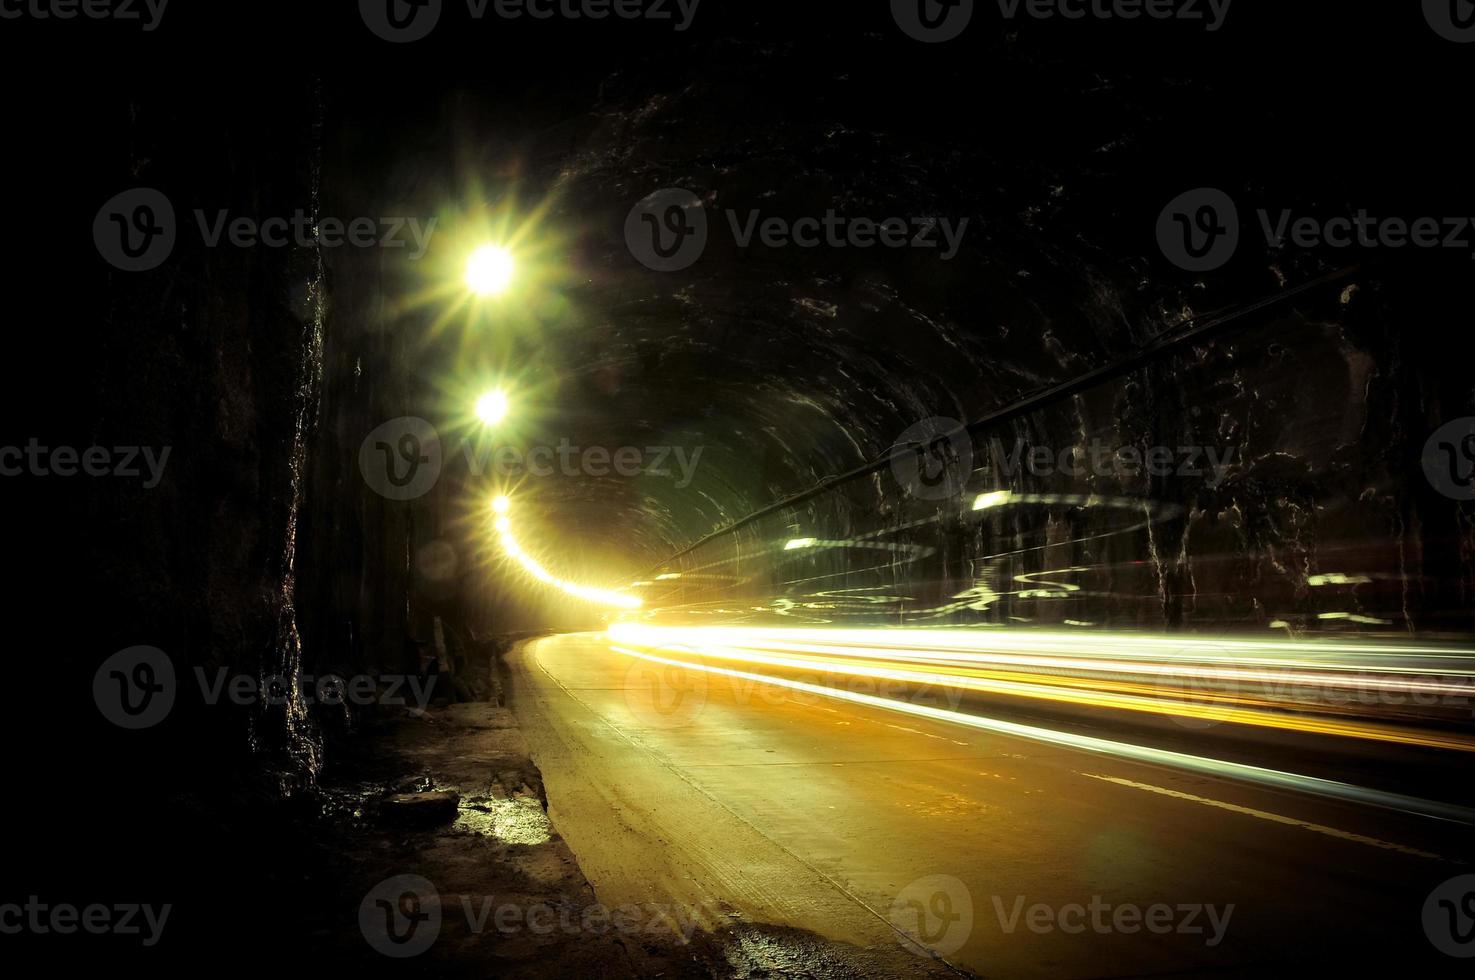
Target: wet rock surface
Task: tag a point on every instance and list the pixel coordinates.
(419, 809)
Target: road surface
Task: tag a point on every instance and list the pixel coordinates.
(983, 852)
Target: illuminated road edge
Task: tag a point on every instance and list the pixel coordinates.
(621, 634)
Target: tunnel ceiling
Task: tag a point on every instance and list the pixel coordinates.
(787, 365)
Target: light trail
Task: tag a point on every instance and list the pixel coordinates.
(604, 597)
(1045, 641)
(1124, 750)
(1398, 694)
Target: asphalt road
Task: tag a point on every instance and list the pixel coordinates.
(999, 855)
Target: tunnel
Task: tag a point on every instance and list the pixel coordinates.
(720, 488)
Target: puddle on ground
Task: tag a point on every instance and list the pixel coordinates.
(520, 820)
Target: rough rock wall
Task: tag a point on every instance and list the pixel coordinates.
(217, 355)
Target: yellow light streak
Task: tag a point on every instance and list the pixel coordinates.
(1379, 693)
(1124, 750)
(515, 551)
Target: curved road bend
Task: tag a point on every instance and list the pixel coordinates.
(761, 804)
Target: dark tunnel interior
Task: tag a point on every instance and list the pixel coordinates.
(739, 439)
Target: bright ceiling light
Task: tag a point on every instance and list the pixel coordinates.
(492, 407)
(489, 271)
(501, 505)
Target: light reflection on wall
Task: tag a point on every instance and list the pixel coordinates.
(1057, 560)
